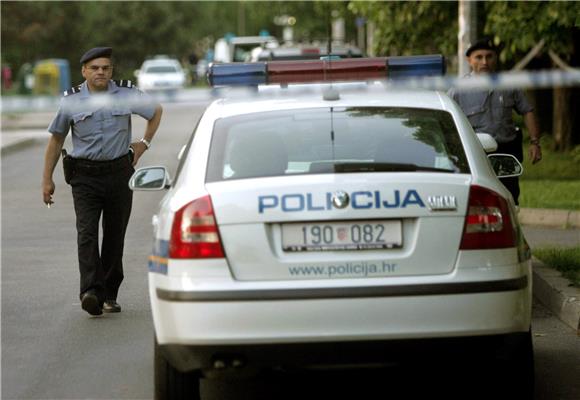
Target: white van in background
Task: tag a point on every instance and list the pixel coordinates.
(239, 49)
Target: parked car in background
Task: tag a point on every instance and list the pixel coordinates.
(161, 73)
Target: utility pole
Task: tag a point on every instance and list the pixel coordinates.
(467, 32)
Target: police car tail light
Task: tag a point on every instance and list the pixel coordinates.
(488, 223)
(194, 233)
(325, 70)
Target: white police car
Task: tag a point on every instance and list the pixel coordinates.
(309, 221)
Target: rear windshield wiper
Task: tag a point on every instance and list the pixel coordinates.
(383, 167)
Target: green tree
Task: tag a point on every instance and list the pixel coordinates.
(416, 27)
(522, 25)
(413, 27)
(36, 30)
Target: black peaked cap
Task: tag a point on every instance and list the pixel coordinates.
(97, 52)
(485, 43)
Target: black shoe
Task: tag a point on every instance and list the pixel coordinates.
(111, 306)
(90, 303)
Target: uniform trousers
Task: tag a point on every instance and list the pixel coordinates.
(107, 196)
(514, 148)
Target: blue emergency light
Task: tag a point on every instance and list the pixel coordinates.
(416, 66)
(325, 70)
(237, 74)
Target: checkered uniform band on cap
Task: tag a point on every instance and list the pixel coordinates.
(96, 52)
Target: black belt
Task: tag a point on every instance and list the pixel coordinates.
(97, 168)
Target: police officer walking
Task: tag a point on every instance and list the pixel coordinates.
(490, 111)
(98, 113)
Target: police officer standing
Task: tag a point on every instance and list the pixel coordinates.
(490, 111)
(98, 113)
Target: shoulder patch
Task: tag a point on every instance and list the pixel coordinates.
(124, 83)
(73, 90)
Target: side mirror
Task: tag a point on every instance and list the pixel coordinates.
(150, 178)
(487, 141)
(505, 165)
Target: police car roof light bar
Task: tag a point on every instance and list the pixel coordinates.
(326, 70)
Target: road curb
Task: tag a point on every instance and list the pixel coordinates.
(556, 293)
(17, 145)
(550, 217)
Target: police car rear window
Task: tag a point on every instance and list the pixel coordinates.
(335, 140)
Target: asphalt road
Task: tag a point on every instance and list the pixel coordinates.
(52, 349)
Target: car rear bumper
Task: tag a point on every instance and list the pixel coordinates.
(213, 318)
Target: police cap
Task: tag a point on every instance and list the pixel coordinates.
(485, 43)
(97, 52)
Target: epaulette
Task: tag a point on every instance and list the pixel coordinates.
(124, 83)
(72, 90)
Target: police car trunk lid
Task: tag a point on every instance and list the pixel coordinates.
(419, 218)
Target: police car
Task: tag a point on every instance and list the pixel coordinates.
(312, 220)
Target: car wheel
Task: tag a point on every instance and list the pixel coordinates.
(173, 384)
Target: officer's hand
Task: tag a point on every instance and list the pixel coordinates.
(535, 153)
(47, 192)
(138, 150)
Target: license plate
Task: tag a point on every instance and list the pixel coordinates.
(357, 235)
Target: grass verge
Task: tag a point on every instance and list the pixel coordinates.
(558, 194)
(564, 259)
(554, 182)
(554, 165)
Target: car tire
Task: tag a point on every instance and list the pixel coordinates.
(171, 383)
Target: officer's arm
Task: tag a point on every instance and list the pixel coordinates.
(533, 127)
(51, 155)
(138, 147)
(153, 124)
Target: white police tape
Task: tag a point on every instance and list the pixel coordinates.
(505, 80)
(24, 104)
